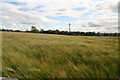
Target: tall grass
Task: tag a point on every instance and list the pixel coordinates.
(29, 55)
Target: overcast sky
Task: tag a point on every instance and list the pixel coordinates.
(84, 15)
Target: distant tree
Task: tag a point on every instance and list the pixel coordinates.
(98, 34)
(82, 33)
(57, 31)
(27, 31)
(115, 34)
(17, 31)
(50, 31)
(34, 30)
(42, 31)
(3, 29)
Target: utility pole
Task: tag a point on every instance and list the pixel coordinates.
(69, 26)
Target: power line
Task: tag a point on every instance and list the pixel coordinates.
(69, 26)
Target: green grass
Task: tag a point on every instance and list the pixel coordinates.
(30, 55)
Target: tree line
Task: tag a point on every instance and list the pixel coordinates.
(75, 33)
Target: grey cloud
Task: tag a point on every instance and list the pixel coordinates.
(84, 25)
(110, 28)
(114, 8)
(93, 25)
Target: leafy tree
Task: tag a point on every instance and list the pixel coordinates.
(34, 30)
(42, 31)
(17, 31)
(57, 31)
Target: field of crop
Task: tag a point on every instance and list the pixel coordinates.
(32, 55)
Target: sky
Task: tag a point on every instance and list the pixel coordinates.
(84, 15)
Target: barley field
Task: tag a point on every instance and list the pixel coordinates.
(32, 55)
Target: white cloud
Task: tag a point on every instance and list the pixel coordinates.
(11, 15)
(104, 10)
(103, 23)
